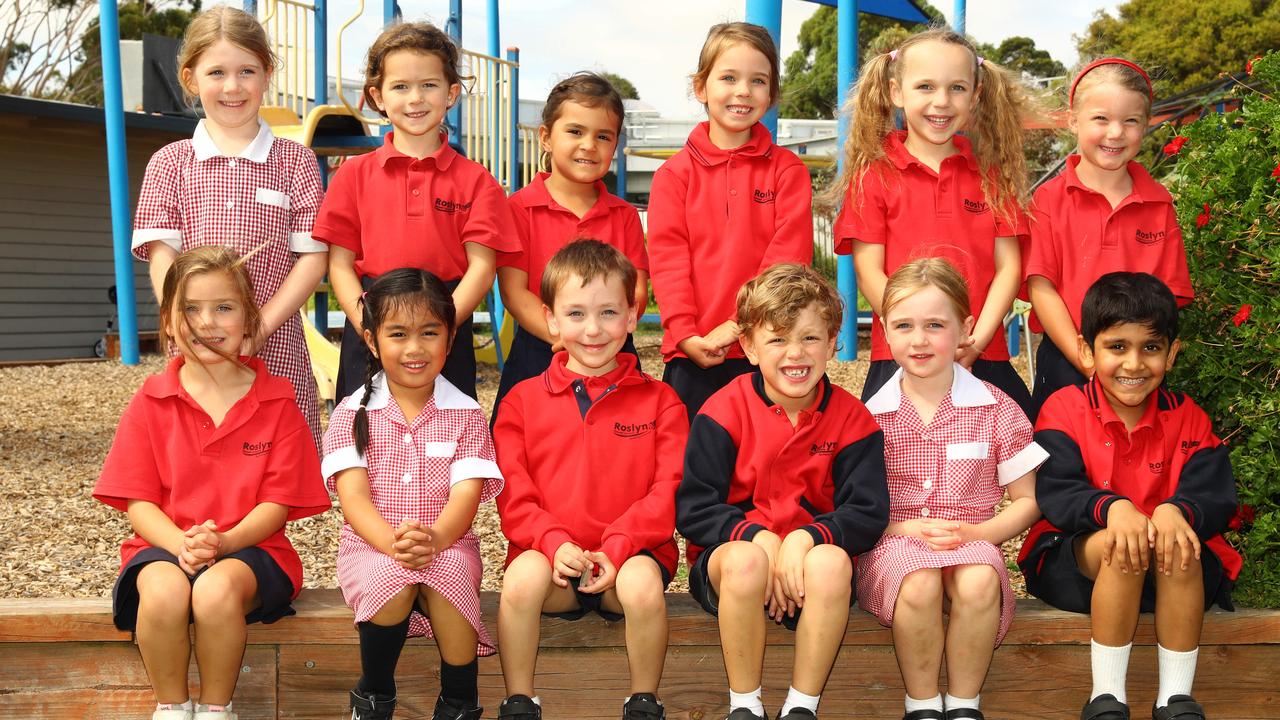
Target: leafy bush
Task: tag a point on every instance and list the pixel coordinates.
(1227, 185)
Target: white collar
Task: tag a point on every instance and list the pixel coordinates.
(257, 151)
(966, 391)
(446, 395)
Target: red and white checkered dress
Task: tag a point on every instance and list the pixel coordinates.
(954, 468)
(192, 196)
(411, 468)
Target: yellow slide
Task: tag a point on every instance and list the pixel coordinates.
(324, 359)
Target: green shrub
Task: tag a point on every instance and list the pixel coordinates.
(1227, 185)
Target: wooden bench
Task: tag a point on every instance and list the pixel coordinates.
(63, 659)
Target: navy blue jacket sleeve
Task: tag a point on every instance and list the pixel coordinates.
(1206, 492)
(1063, 491)
(861, 498)
(703, 515)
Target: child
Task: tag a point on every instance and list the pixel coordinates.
(924, 191)
(410, 459)
(783, 484)
(233, 183)
(581, 124)
(211, 458)
(953, 445)
(1136, 494)
(592, 450)
(729, 205)
(414, 202)
(1103, 213)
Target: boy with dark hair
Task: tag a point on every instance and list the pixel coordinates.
(591, 450)
(784, 482)
(1135, 494)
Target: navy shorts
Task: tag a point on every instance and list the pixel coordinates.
(694, 385)
(1053, 372)
(275, 590)
(997, 372)
(1053, 575)
(529, 357)
(702, 591)
(594, 602)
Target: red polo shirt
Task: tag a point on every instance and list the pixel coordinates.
(1170, 456)
(544, 226)
(396, 211)
(591, 460)
(1077, 237)
(167, 451)
(915, 212)
(749, 469)
(717, 218)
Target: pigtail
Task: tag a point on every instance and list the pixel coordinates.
(869, 109)
(998, 136)
(360, 426)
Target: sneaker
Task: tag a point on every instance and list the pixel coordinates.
(447, 710)
(797, 714)
(1180, 707)
(371, 706)
(965, 714)
(520, 707)
(1105, 707)
(171, 711)
(214, 712)
(643, 706)
(745, 714)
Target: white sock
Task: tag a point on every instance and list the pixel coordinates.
(1110, 669)
(1177, 673)
(211, 708)
(797, 699)
(955, 703)
(536, 700)
(748, 700)
(175, 706)
(933, 703)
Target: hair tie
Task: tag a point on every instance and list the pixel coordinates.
(981, 60)
(893, 55)
(1071, 96)
(364, 295)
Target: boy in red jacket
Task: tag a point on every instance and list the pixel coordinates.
(591, 450)
(784, 482)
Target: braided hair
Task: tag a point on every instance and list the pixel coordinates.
(410, 290)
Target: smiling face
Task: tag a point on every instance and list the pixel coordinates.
(580, 142)
(415, 93)
(924, 330)
(1108, 120)
(210, 322)
(592, 321)
(792, 360)
(736, 94)
(1129, 361)
(412, 344)
(936, 88)
(230, 82)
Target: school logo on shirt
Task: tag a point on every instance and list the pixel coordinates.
(977, 207)
(634, 430)
(823, 448)
(451, 206)
(1189, 445)
(258, 448)
(1149, 237)
(1156, 468)
(765, 196)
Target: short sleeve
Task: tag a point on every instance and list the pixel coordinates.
(633, 239)
(339, 447)
(130, 471)
(864, 214)
(474, 457)
(306, 192)
(521, 220)
(292, 476)
(158, 218)
(338, 220)
(1042, 256)
(489, 222)
(1174, 270)
(1017, 452)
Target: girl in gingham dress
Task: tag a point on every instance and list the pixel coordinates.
(233, 183)
(410, 458)
(953, 445)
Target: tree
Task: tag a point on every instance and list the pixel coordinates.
(1020, 55)
(1185, 43)
(624, 86)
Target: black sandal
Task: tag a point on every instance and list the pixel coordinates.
(1105, 707)
(1180, 707)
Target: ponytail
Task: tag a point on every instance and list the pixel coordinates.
(869, 109)
(997, 134)
(360, 426)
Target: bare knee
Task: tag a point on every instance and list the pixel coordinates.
(217, 596)
(639, 587)
(164, 592)
(828, 572)
(744, 569)
(974, 586)
(1192, 575)
(526, 581)
(920, 591)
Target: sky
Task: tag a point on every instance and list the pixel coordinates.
(655, 43)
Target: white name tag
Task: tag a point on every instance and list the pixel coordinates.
(967, 451)
(439, 449)
(267, 196)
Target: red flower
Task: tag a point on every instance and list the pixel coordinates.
(1203, 218)
(1175, 145)
(1242, 315)
(1248, 67)
(1276, 173)
(1244, 516)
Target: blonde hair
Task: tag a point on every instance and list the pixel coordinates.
(204, 260)
(910, 278)
(996, 127)
(778, 295)
(1113, 73)
(587, 259)
(725, 35)
(222, 23)
(422, 37)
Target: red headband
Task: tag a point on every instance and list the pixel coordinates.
(1071, 98)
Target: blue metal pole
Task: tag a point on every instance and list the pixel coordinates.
(957, 22)
(846, 74)
(768, 13)
(251, 7)
(320, 25)
(118, 177)
(495, 133)
(620, 166)
(390, 12)
(513, 156)
(453, 118)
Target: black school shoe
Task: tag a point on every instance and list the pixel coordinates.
(643, 706)
(924, 715)
(745, 714)
(447, 710)
(520, 707)
(797, 714)
(371, 706)
(1105, 707)
(1180, 707)
(965, 714)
